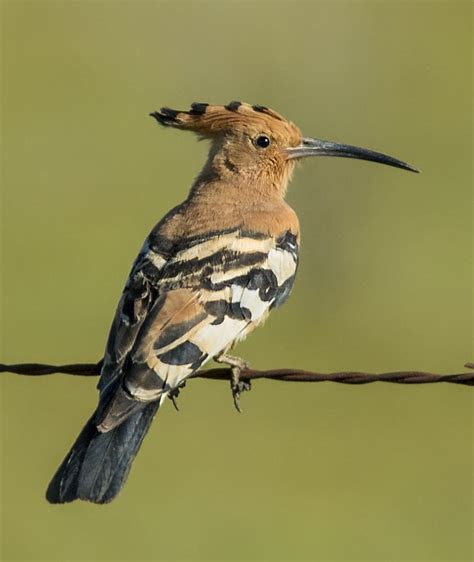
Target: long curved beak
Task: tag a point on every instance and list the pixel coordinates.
(317, 147)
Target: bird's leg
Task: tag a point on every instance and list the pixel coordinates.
(237, 365)
(174, 393)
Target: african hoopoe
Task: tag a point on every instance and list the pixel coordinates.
(209, 272)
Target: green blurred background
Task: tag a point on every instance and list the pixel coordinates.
(316, 472)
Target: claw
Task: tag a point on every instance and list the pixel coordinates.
(245, 386)
(237, 386)
(236, 396)
(174, 393)
(172, 397)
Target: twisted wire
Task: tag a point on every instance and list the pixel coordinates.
(287, 375)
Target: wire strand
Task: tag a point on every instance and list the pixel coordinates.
(287, 375)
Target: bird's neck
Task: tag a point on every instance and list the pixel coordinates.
(220, 205)
(222, 178)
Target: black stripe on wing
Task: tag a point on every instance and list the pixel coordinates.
(256, 278)
(222, 308)
(289, 243)
(185, 353)
(169, 248)
(222, 260)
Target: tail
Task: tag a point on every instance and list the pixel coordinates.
(98, 464)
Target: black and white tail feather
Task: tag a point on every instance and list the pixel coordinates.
(98, 464)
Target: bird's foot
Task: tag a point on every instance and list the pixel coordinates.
(174, 393)
(237, 386)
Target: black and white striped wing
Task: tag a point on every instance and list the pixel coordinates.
(211, 294)
(179, 311)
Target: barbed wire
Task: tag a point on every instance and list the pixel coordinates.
(287, 375)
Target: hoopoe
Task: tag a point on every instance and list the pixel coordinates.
(208, 274)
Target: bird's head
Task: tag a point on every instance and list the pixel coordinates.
(254, 144)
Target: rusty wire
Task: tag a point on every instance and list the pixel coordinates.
(288, 375)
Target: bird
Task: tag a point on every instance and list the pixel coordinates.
(208, 274)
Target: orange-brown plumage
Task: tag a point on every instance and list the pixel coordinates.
(234, 158)
(246, 184)
(209, 120)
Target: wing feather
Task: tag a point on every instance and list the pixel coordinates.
(177, 313)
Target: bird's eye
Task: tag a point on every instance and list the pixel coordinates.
(262, 141)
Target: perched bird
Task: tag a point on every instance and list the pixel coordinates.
(209, 273)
